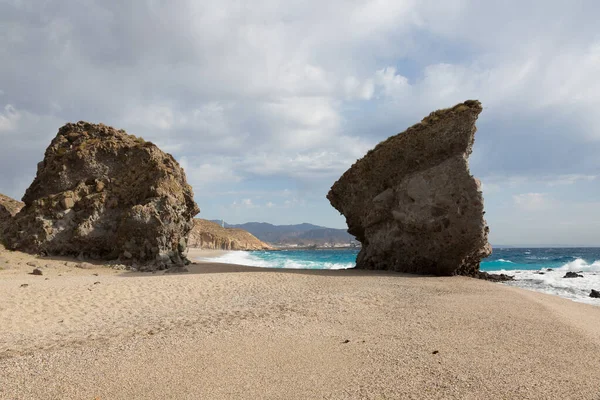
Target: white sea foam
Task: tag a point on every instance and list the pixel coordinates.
(238, 257)
(504, 261)
(552, 281)
(581, 265)
(277, 261)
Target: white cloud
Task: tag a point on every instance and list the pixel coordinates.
(305, 166)
(244, 204)
(494, 183)
(570, 179)
(247, 203)
(392, 83)
(354, 89)
(301, 123)
(200, 174)
(246, 92)
(151, 117)
(490, 188)
(532, 201)
(9, 118)
(294, 202)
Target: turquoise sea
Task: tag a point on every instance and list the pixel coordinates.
(540, 269)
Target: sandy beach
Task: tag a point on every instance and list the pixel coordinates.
(226, 331)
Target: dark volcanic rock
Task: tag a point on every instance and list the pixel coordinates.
(492, 277)
(412, 201)
(102, 193)
(595, 294)
(572, 275)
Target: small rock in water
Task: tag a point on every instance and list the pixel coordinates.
(550, 270)
(36, 271)
(493, 277)
(572, 275)
(595, 294)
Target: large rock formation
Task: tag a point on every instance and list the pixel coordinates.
(102, 193)
(412, 201)
(8, 209)
(209, 235)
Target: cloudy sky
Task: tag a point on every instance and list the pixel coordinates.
(266, 103)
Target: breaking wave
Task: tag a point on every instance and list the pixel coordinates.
(288, 259)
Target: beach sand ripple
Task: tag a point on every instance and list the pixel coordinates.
(227, 331)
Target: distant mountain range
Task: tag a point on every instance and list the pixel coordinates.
(300, 234)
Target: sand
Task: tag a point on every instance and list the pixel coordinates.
(225, 331)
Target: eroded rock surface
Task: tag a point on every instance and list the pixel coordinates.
(210, 235)
(9, 207)
(102, 193)
(412, 202)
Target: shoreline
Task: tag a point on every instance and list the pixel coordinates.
(203, 256)
(231, 331)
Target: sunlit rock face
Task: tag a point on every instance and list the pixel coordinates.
(209, 235)
(412, 202)
(8, 208)
(102, 193)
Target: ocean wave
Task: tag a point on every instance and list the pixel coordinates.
(580, 264)
(296, 264)
(504, 261)
(239, 258)
(552, 281)
(274, 261)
